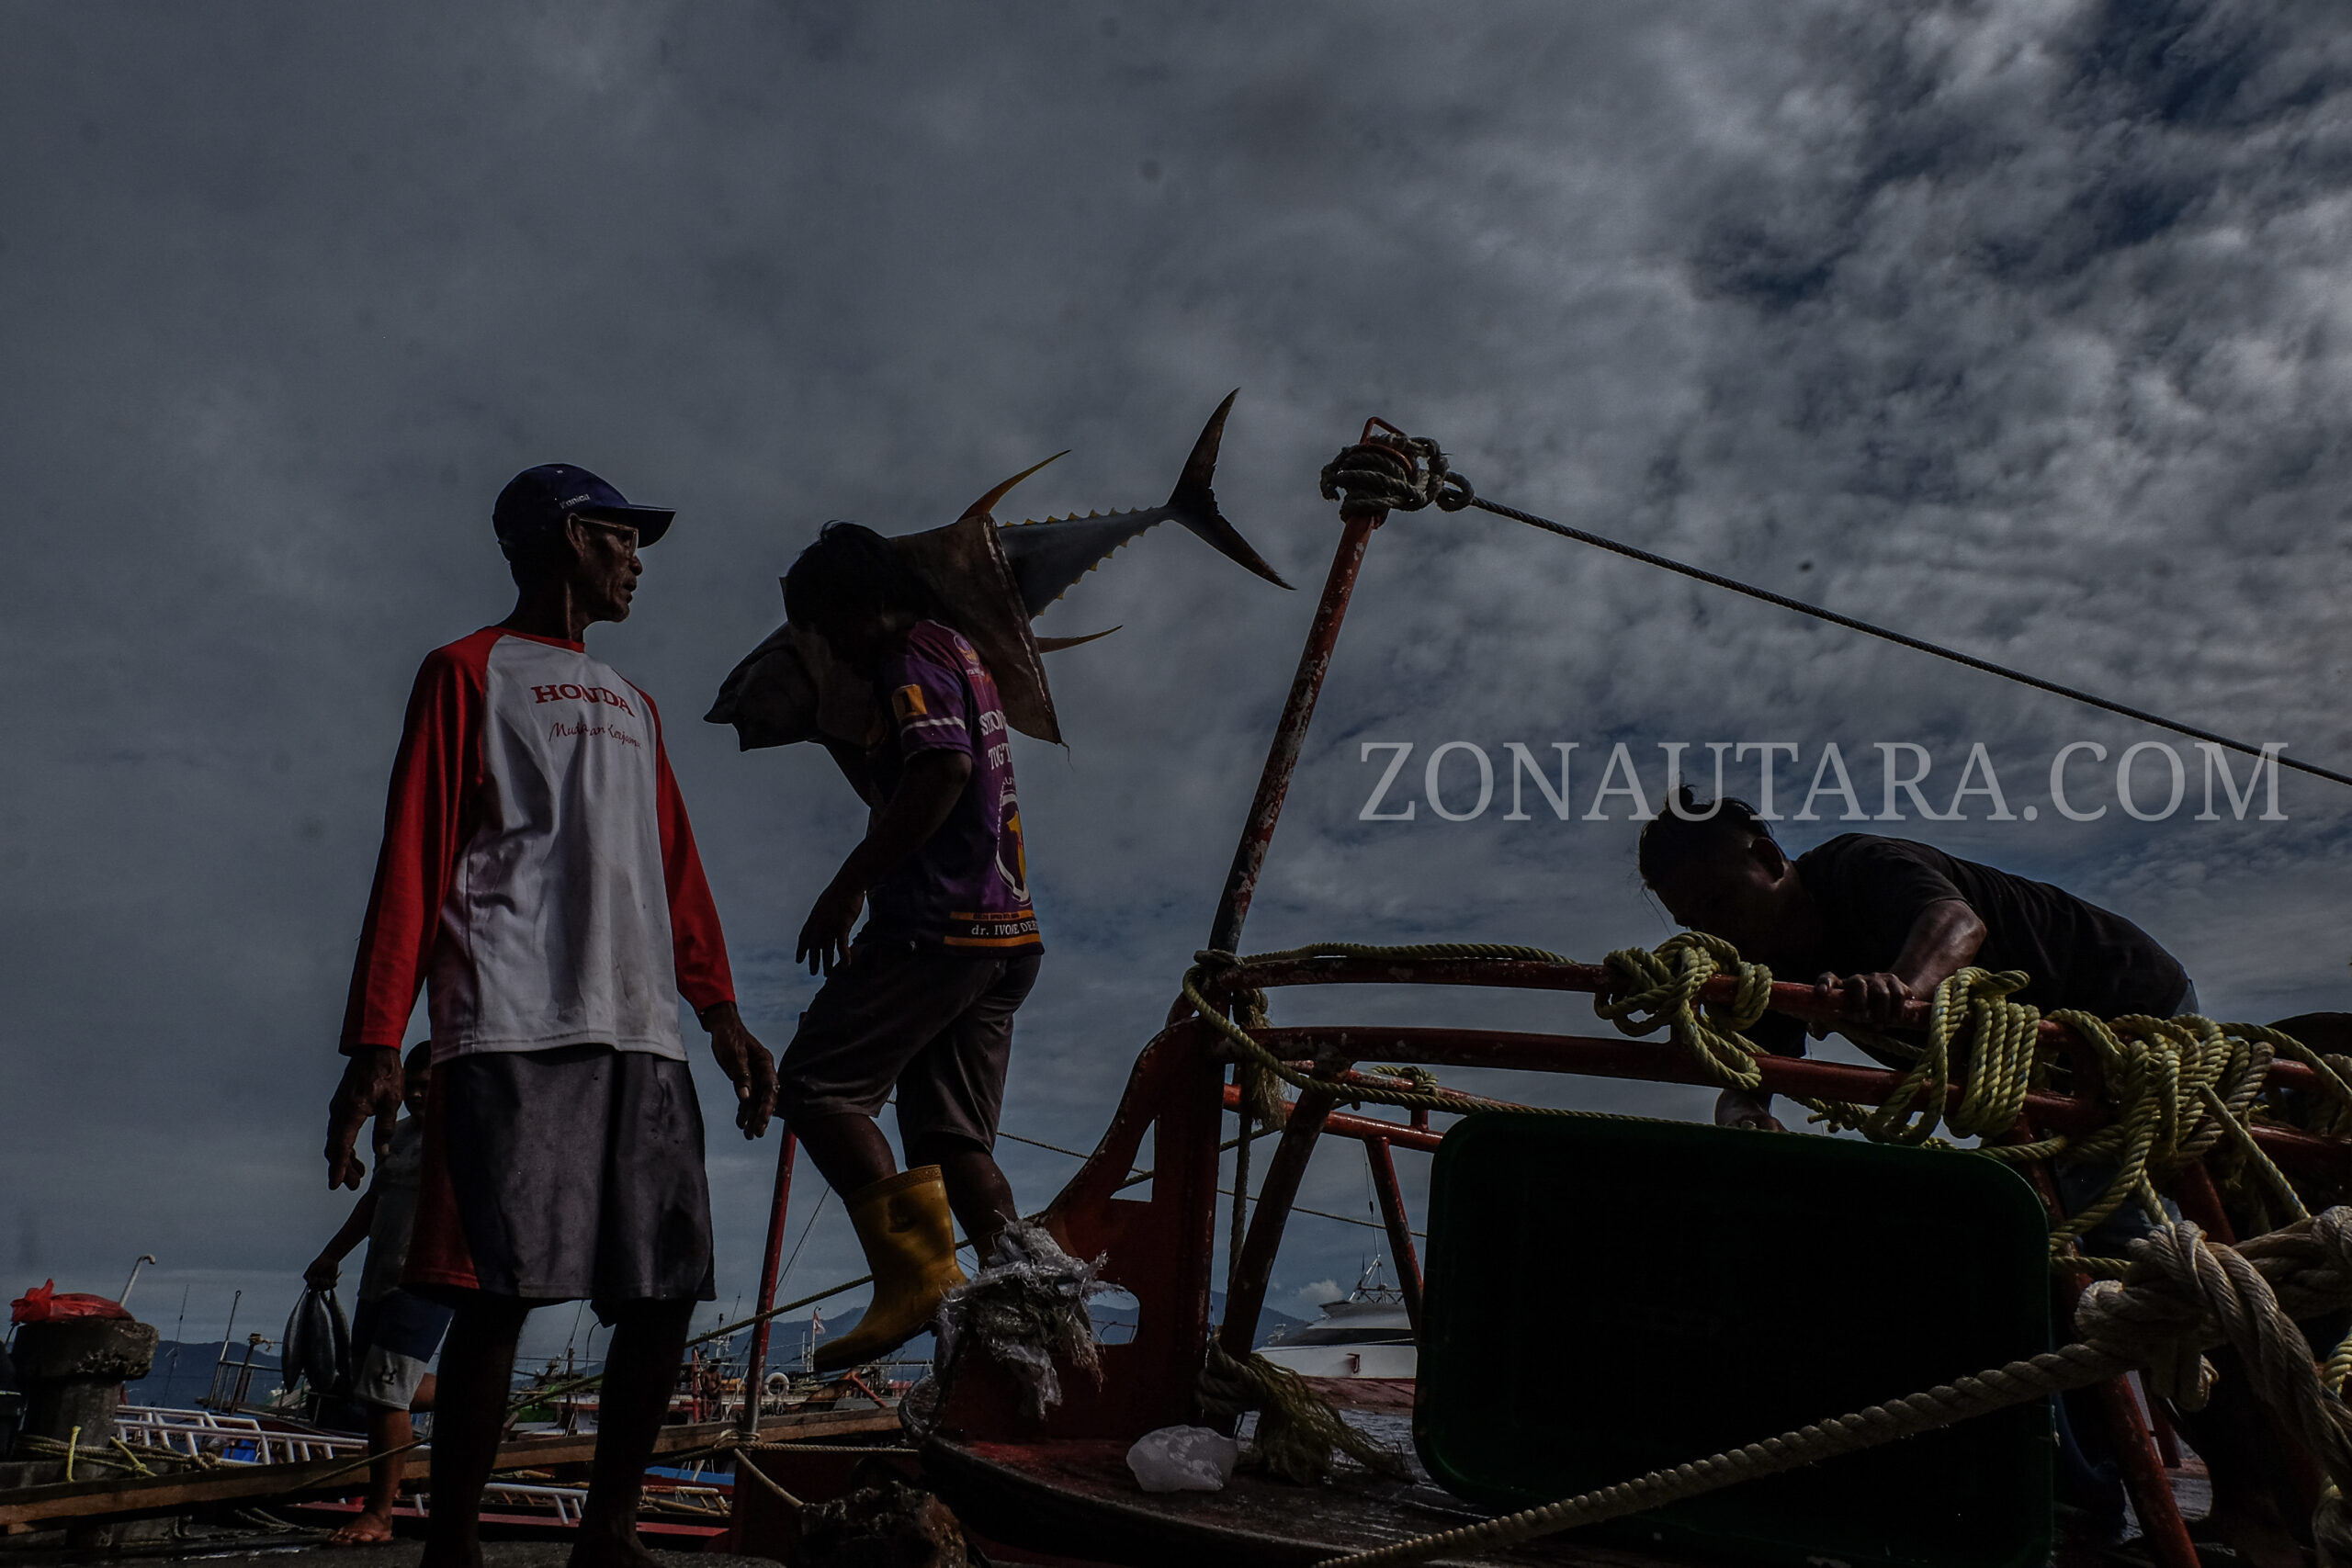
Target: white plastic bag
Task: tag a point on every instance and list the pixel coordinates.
(1184, 1459)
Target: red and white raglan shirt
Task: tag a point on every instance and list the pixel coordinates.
(538, 875)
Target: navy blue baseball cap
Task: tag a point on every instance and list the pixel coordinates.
(539, 499)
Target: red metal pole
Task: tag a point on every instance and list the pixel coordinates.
(755, 1366)
(1341, 1125)
(1282, 758)
(1657, 1061)
(2168, 1440)
(2144, 1476)
(1400, 1228)
(2143, 1467)
(1253, 1264)
(1245, 1295)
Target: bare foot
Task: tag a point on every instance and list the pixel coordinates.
(365, 1531)
(610, 1546)
(453, 1554)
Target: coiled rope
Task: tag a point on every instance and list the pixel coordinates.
(1297, 1429)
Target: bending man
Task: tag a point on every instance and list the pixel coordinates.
(923, 1000)
(539, 878)
(1881, 922)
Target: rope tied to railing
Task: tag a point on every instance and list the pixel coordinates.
(2175, 1087)
(1356, 1091)
(1661, 989)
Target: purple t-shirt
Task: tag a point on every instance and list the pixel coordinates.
(967, 890)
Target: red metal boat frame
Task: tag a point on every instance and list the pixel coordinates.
(1160, 1247)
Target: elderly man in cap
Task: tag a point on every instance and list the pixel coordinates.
(539, 880)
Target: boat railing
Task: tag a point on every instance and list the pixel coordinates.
(1329, 1053)
(231, 1439)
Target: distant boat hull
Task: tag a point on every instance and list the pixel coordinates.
(1370, 1335)
(1359, 1361)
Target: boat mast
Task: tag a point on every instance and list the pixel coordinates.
(1251, 1252)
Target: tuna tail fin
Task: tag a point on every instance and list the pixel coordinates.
(1194, 503)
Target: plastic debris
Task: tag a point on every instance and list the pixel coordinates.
(1184, 1459)
(1024, 1310)
(46, 1304)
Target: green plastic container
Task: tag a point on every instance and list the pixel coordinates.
(1607, 1297)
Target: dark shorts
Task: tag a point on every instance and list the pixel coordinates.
(937, 1028)
(564, 1175)
(393, 1341)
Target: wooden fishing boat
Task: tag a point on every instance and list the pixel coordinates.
(1061, 1485)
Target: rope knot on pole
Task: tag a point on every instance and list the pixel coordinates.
(1662, 987)
(1391, 471)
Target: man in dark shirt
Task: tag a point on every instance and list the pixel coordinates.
(1880, 923)
(923, 1001)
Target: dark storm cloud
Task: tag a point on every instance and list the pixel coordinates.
(2017, 326)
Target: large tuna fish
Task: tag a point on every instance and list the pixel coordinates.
(992, 578)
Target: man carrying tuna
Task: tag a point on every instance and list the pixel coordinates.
(539, 878)
(922, 1000)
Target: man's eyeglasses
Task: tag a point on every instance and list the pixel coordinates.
(626, 532)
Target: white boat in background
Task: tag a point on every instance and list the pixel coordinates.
(1366, 1336)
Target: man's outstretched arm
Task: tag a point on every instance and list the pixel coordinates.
(1943, 939)
(327, 1267)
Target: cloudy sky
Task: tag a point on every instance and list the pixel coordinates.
(2019, 325)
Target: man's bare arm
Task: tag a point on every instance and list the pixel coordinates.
(1943, 940)
(372, 1086)
(928, 790)
(326, 1267)
(747, 1065)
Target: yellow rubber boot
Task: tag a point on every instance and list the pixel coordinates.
(909, 1239)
